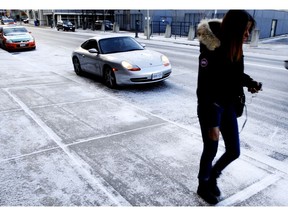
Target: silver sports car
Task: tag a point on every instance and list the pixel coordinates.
(120, 60)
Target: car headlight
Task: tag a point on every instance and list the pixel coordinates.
(130, 67)
(9, 41)
(165, 60)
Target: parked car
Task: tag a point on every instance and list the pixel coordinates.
(120, 60)
(25, 20)
(8, 21)
(108, 24)
(16, 38)
(65, 26)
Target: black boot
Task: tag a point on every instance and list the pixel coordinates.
(205, 193)
(213, 187)
(213, 183)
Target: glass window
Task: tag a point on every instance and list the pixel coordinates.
(119, 44)
(90, 44)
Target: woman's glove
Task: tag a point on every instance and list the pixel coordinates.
(254, 86)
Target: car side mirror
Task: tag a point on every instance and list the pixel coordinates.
(93, 50)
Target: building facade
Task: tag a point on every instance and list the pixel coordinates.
(270, 23)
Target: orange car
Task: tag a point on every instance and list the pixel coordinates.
(8, 21)
(16, 38)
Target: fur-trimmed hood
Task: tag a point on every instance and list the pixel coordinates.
(205, 34)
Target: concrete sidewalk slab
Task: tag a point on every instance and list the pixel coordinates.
(21, 135)
(48, 178)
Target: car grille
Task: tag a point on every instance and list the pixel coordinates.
(145, 79)
(20, 41)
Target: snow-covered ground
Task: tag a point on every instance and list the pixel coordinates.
(67, 141)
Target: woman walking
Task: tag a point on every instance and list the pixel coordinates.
(221, 79)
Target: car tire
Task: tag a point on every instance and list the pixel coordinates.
(4, 46)
(109, 77)
(77, 66)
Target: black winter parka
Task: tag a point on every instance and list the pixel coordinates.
(220, 80)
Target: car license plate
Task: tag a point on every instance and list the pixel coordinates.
(157, 75)
(22, 44)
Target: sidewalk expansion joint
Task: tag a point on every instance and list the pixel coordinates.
(250, 191)
(80, 166)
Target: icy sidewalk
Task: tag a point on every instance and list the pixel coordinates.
(63, 143)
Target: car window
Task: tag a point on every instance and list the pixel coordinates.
(118, 44)
(90, 44)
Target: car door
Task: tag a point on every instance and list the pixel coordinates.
(91, 59)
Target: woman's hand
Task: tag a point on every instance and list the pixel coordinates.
(255, 87)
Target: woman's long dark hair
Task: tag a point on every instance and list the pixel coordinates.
(233, 27)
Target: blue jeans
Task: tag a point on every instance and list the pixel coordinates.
(225, 118)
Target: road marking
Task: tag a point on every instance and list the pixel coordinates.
(276, 129)
(265, 66)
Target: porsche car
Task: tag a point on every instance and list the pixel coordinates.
(16, 38)
(120, 60)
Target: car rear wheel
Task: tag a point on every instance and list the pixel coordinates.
(109, 77)
(77, 66)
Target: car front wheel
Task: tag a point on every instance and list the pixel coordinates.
(77, 66)
(109, 77)
(4, 46)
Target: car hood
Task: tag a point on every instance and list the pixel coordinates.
(19, 37)
(141, 58)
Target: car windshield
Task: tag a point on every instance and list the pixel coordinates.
(118, 44)
(11, 31)
(8, 21)
(67, 23)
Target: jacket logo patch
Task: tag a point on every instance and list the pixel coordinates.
(203, 62)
